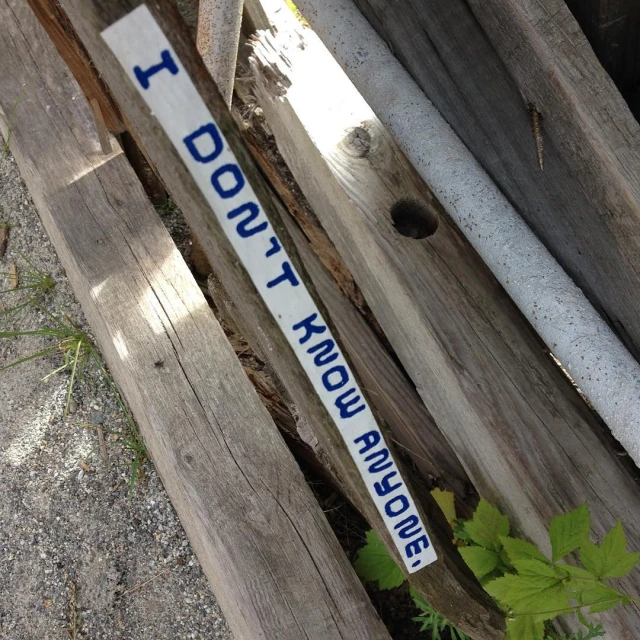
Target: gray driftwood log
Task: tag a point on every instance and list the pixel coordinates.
(272, 560)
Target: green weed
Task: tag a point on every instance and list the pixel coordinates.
(592, 631)
(433, 622)
(35, 282)
(531, 588)
(374, 564)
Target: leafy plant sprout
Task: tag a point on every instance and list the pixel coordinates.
(433, 622)
(374, 564)
(531, 588)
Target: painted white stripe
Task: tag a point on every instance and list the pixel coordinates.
(152, 65)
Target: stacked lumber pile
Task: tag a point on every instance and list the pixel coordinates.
(468, 397)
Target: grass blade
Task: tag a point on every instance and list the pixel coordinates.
(73, 377)
(33, 356)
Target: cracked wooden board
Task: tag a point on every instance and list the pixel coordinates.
(527, 440)
(447, 584)
(274, 563)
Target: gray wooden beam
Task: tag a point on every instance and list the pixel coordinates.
(480, 62)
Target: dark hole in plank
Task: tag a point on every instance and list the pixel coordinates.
(414, 219)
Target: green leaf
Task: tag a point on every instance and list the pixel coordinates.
(535, 568)
(601, 598)
(547, 604)
(535, 593)
(611, 559)
(617, 561)
(504, 564)
(445, 500)
(512, 590)
(373, 563)
(487, 526)
(525, 628)
(580, 578)
(569, 531)
(480, 560)
(520, 550)
(576, 572)
(591, 558)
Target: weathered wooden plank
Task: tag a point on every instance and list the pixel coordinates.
(391, 393)
(526, 439)
(584, 205)
(393, 396)
(262, 378)
(274, 563)
(63, 36)
(302, 213)
(612, 28)
(447, 583)
(106, 113)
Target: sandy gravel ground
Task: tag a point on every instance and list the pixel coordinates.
(78, 559)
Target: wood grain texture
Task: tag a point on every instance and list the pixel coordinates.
(105, 111)
(393, 397)
(480, 63)
(64, 37)
(612, 28)
(297, 206)
(526, 439)
(391, 394)
(267, 549)
(262, 378)
(448, 583)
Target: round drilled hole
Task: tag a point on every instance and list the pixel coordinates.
(414, 219)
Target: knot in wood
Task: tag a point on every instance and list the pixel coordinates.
(357, 142)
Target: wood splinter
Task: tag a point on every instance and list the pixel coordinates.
(536, 128)
(4, 237)
(13, 276)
